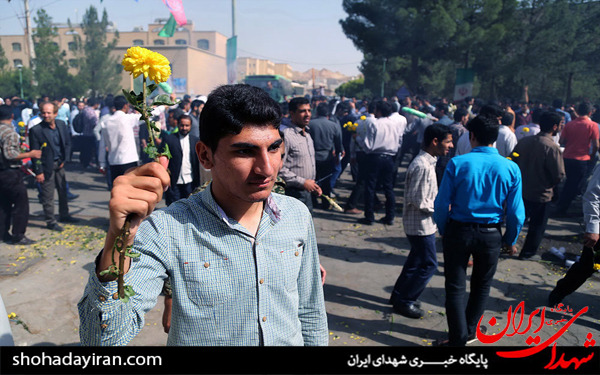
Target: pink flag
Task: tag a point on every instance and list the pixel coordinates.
(176, 9)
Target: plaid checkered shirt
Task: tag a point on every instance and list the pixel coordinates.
(420, 192)
(229, 287)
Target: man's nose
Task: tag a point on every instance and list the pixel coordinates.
(262, 164)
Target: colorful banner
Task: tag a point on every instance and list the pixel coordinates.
(169, 29)
(231, 59)
(464, 83)
(176, 9)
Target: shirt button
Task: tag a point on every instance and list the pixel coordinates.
(102, 298)
(261, 281)
(264, 319)
(103, 326)
(297, 253)
(116, 296)
(206, 265)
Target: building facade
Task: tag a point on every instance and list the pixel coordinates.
(198, 58)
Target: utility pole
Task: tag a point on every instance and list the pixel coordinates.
(29, 37)
(383, 78)
(232, 18)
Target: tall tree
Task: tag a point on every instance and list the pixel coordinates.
(3, 59)
(97, 68)
(51, 70)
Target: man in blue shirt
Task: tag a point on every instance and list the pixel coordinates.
(243, 262)
(479, 189)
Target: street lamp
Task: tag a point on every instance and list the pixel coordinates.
(20, 67)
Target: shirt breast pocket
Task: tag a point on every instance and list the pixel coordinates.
(291, 260)
(208, 282)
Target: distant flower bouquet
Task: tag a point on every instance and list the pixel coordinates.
(350, 126)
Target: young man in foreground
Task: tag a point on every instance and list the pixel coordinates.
(243, 262)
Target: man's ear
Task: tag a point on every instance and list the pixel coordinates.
(205, 155)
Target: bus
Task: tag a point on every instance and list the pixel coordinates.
(280, 86)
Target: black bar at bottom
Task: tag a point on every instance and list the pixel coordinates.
(290, 360)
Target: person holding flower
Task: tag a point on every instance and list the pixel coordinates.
(14, 204)
(243, 262)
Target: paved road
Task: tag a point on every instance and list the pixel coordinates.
(42, 283)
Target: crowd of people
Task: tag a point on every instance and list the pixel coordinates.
(476, 172)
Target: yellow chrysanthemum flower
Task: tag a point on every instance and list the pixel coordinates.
(21, 124)
(363, 117)
(526, 130)
(151, 64)
(44, 145)
(596, 266)
(515, 155)
(12, 315)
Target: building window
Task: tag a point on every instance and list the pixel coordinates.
(181, 42)
(72, 46)
(16, 47)
(203, 44)
(159, 42)
(138, 42)
(73, 63)
(17, 62)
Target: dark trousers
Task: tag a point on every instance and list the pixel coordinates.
(537, 212)
(579, 272)
(88, 149)
(302, 195)
(14, 204)
(460, 242)
(379, 167)
(358, 190)
(325, 168)
(177, 192)
(119, 170)
(575, 171)
(56, 180)
(418, 269)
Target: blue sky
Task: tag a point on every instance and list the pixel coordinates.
(303, 33)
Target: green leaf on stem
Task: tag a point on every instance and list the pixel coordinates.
(166, 152)
(151, 151)
(163, 99)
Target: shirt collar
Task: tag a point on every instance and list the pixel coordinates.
(428, 157)
(486, 150)
(270, 208)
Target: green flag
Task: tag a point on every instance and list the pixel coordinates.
(169, 29)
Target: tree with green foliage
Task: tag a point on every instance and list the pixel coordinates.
(51, 70)
(551, 46)
(97, 68)
(3, 59)
(354, 89)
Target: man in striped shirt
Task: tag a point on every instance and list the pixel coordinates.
(243, 262)
(421, 190)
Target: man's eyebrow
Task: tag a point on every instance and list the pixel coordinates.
(277, 143)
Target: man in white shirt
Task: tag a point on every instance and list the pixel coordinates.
(119, 140)
(507, 140)
(382, 140)
(184, 165)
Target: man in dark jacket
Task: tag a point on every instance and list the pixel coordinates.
(185, 175)
(327, 139)
(53, 138)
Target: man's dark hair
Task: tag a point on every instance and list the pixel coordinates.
(507, 119)
(183, 103)
(460, 113)
(6, 112)
(92, 102)
(119, 102)
(535, 115)
(229, 108)
(197, 103)
(548, 119)
(492, 110)
(184, 116)
(557, 103)
(435, 131)
(297, 102)
(584, 108)
(322, 110)
(484, 129)
(384, 108)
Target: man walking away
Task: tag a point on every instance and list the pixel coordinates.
(420, 191)
(542, 169)
(478, 190)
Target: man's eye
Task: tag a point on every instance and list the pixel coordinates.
(244, 152)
